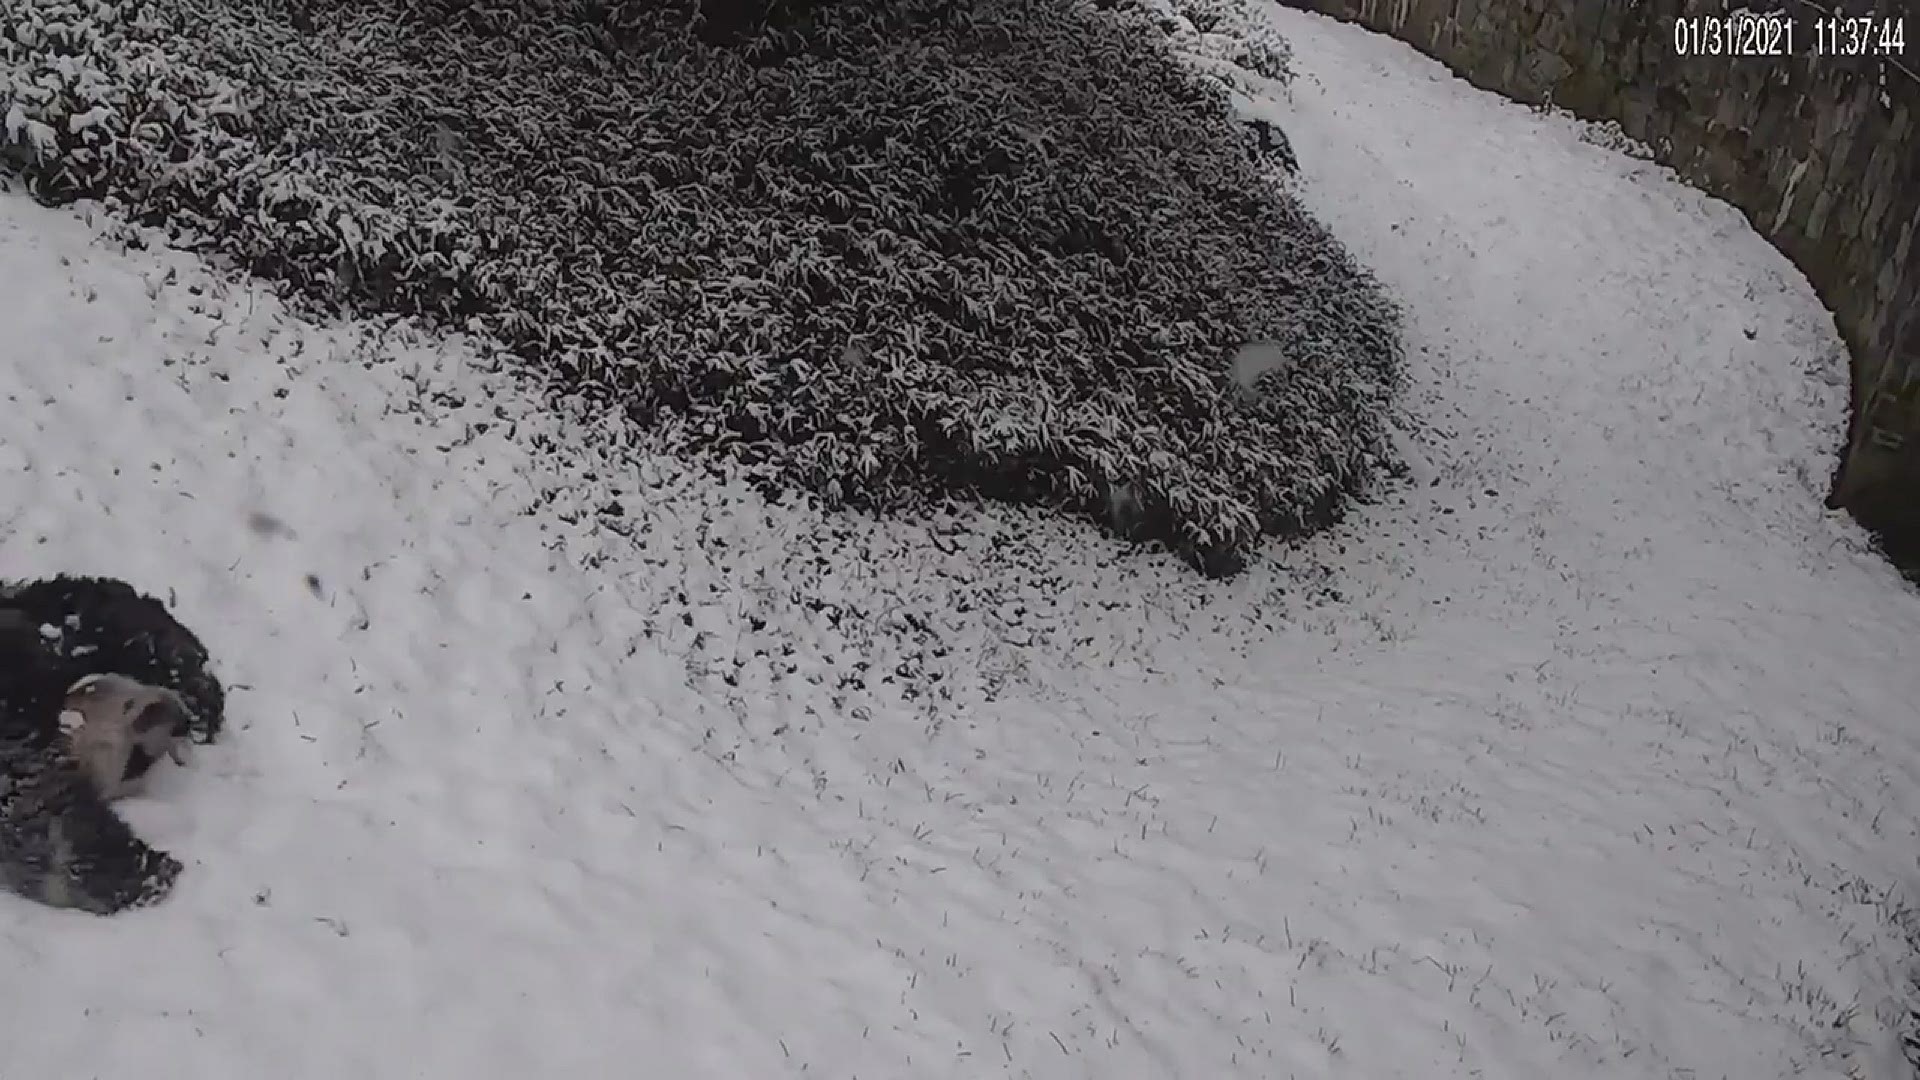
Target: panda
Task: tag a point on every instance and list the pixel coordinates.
(60, 842)
(99, 626)
(118, 728)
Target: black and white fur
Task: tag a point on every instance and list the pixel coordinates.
(60, 841)
(98, 626)
(118, 728)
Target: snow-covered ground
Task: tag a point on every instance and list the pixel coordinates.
(1593, 754)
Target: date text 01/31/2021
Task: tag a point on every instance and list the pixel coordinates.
(1743, 33)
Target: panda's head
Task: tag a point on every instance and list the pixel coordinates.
(119, 727)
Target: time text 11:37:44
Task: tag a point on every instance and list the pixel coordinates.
(1743, 33)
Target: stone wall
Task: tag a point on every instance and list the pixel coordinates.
(1822, 153)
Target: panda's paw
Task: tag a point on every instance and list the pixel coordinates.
(144, 879)
(89, 859)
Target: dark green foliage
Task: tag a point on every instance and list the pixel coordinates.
(881, 250)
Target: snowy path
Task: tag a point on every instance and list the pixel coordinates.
(1577, 761)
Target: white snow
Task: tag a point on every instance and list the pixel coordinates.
(1593, 754)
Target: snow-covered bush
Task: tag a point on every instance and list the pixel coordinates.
(92, 106)
(98, 104)
(1239, 36)
(883, 250)
(1227, 30)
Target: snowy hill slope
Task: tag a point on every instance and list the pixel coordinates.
(1594, 755)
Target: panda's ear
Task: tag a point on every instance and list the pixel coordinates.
(182, 714)
(159, 715)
